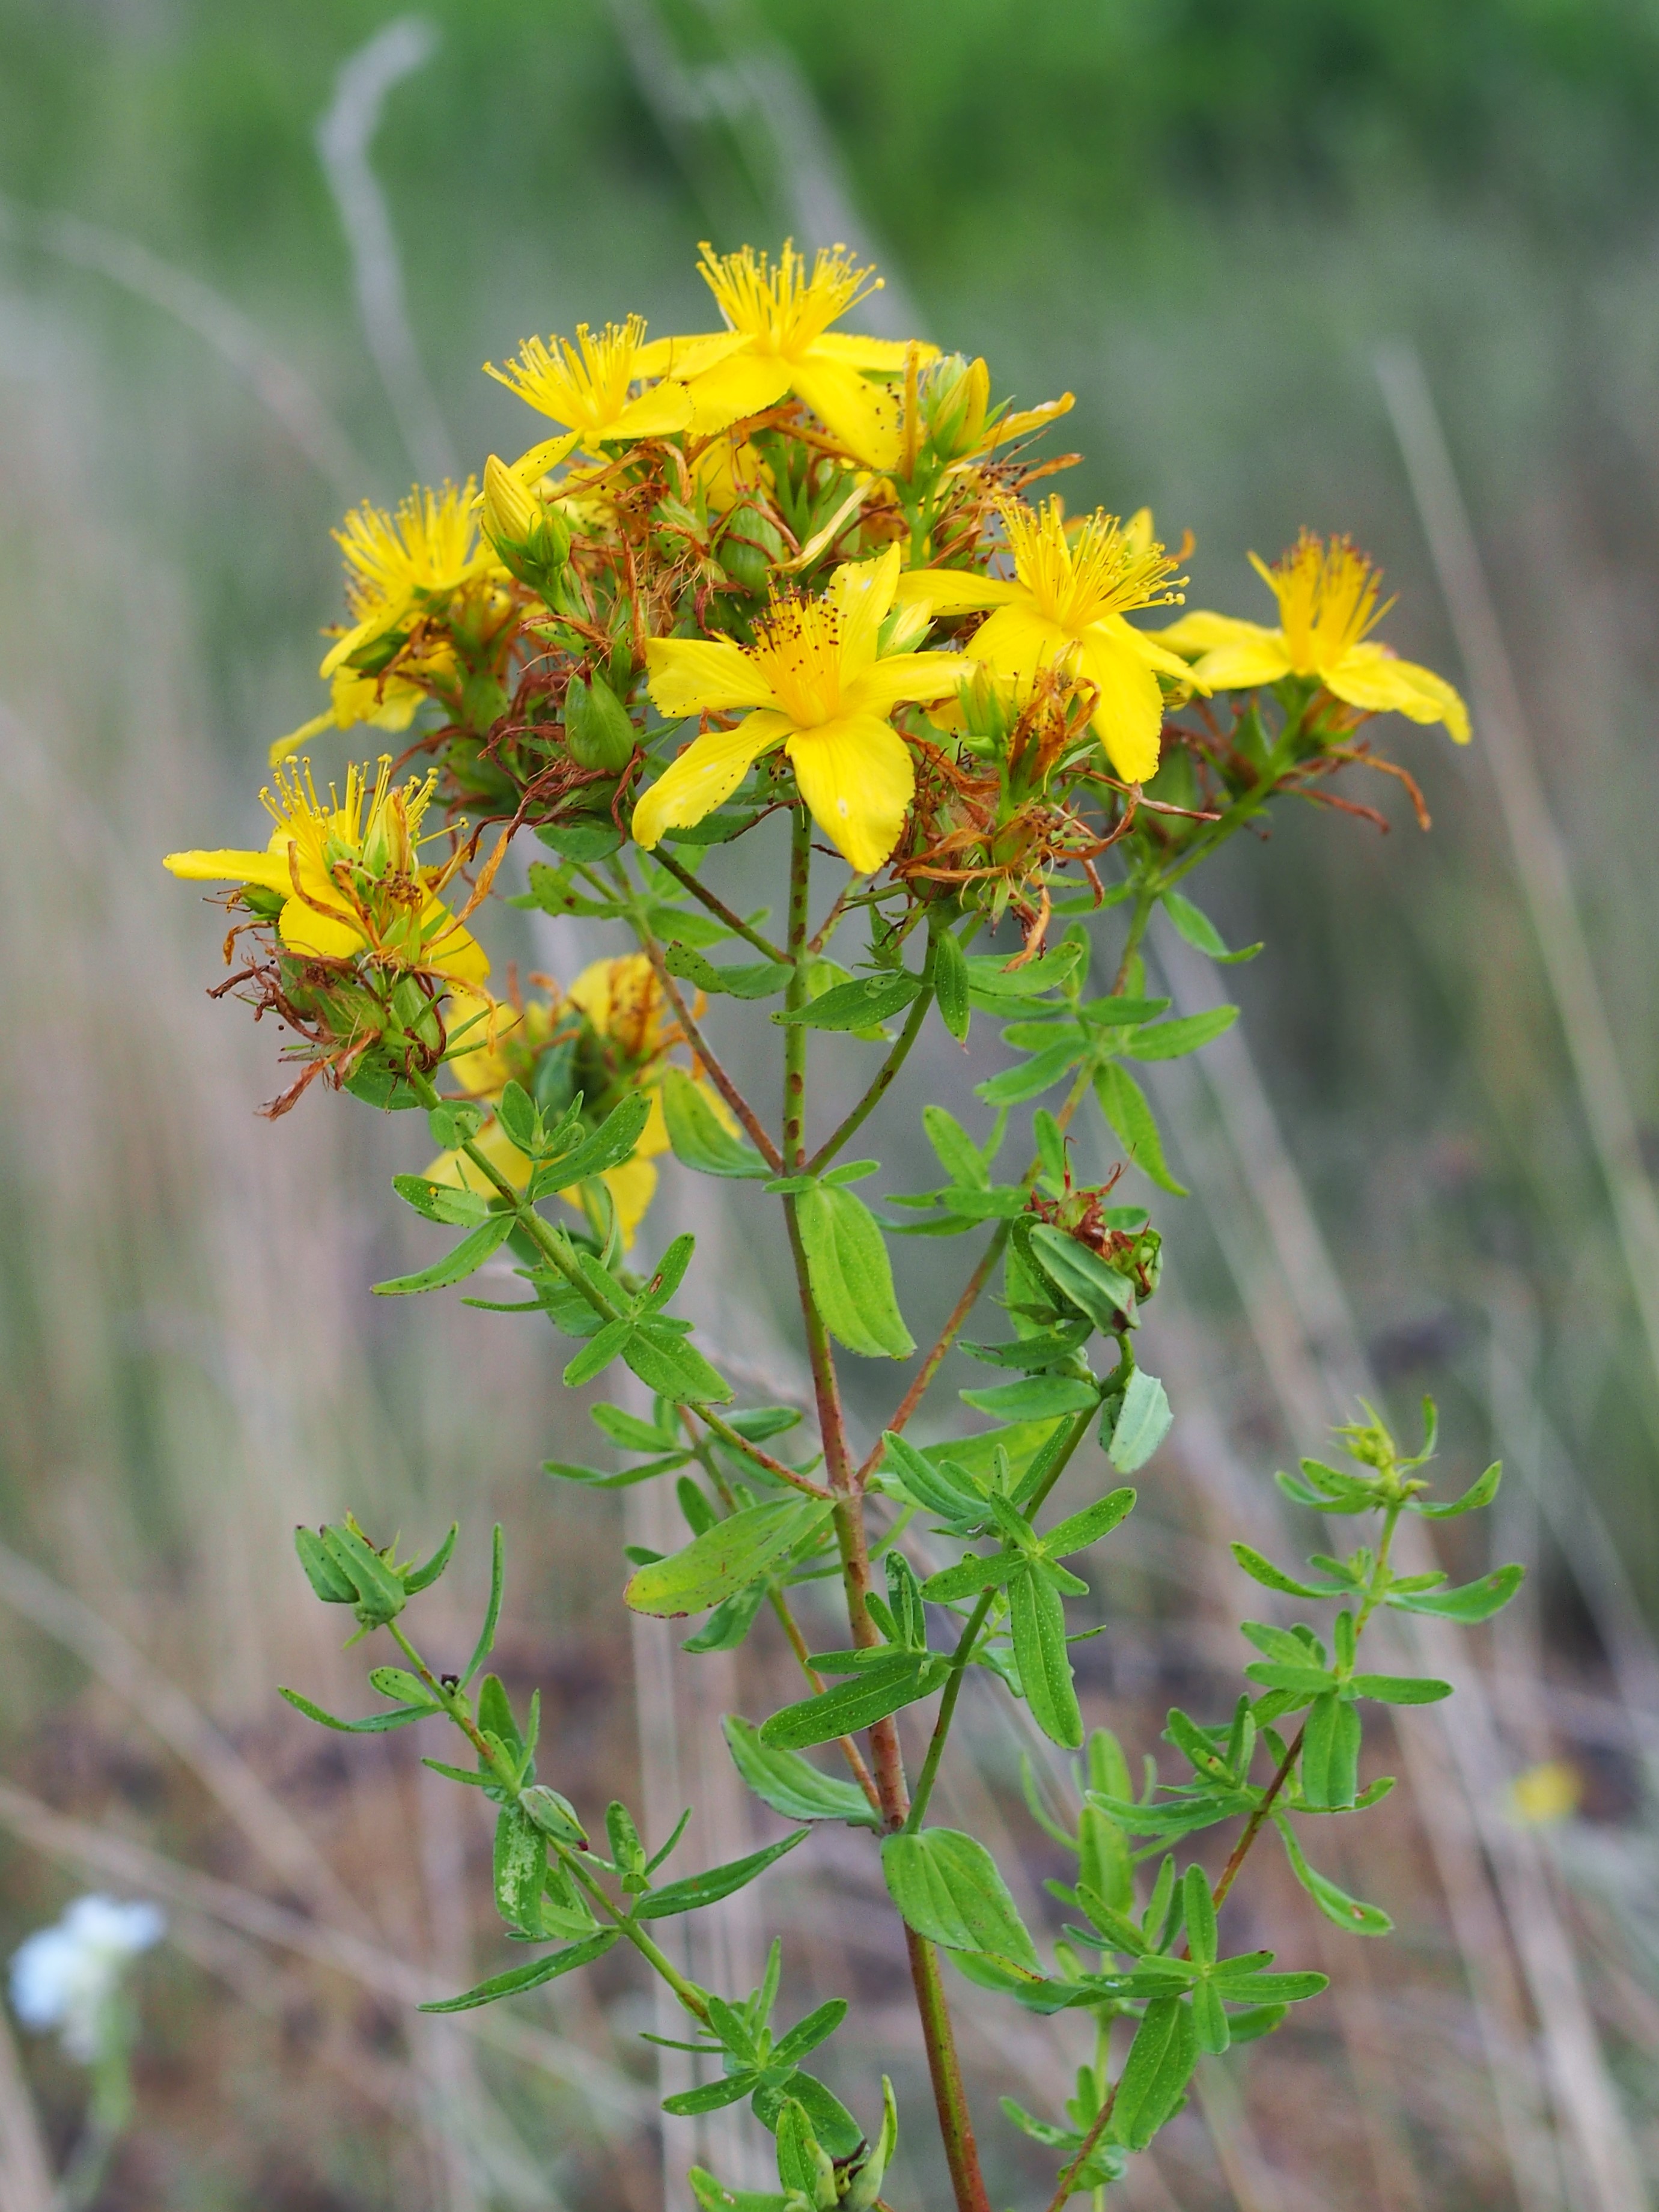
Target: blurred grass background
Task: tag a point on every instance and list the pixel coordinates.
(1205, 218)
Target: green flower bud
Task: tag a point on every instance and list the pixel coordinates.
(597, 727)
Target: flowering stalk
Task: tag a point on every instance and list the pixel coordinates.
(777, 570)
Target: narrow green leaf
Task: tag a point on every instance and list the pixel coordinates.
(947, 1887)
(1469, 1603)
(1330, 1752)
(464, 1260)
(1210, 2022)
(697, 1890)
(1123, 1102)
(1079, 1530)
(958, 1155)
(1401, 1689)
(758, 979)
(1039, 1397)
(729, 1624)
(1156, 2073)
(609, 1145)
(991, 979)
(1201, 932)
(600, 1349)
(950, 984)
(727, 1558)
(373, 1724)
(1144, 1419)
(667, 1363)
(631, 1433)
(1359, 1919)
(789, 1785)
(1082, 1276)
(1038, 1621)
(1198, 1912)
(520, 1869)
(699, 1138)
(1271, 1578)
(869, 1696)
(850, 1273)
(486, 1642)
(1478, 1494)
(863, 1003)
(407, 1689)
(1175, 1040)
(1029, 1079)
(444, 1202)
(804, 2036)
(530, 1977)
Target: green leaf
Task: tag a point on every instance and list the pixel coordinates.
(699, 1138)
(936, 1487)
(1123, 1102)
(580, 840)
(530, 1977)
(609, 1145)
(1271, 1578)
(871, 1695)
(1029, 1079)
(758, 979)
(326, 1576)
(947, 1887)
(1330, 1752)
(727, 1558)
(1156, 2073)
(729, 1623)
(990, 980)
(445, 1202)
(407, 1689)
(1079, 1530)
(1039, 1397)
(1400, 1689)
(1470, 1602)
(416, 1579)
(486, 1642)
(1144, 1420)
(1200, 931)
(804, 2036)
(950, 984)
(520, 1869)
(850, 1273)
(666, 1362)
(597, 1354)
(630, 1432)
(712, 2097)
(373, 1724)
(1082, 1276)
(863, 1003)
(789, 1785)
(958, 1155)
(1175, 1040)
(1199, 1912)
(700, 1889)
(713, 2196)
(464, 1260)
(517, 1114)
(1478, 1494)
(1038, 1620)
(1335, 1904)
(1210, 2022)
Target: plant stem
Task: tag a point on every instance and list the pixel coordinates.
(1253, 1826)
(718, 907)
(699, 1044)
(1097, 2128)
(879, 1088)
(776, 1467)
(944, 2066)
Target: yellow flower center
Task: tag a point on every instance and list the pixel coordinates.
(797, 646)
(428, 547)
(1327, 598)
(1104, 570)
(585, 386)
(335, 845)
(783, 309)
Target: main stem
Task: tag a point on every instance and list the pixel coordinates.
(944, 2066)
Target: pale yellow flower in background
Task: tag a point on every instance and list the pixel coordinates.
(1542, 1794)
(350, 875)
(778, 340)
(385, 702)
(815, 686)
(400, 566)
(588, 388)
(1064, 607)
(1326, 594)
(632, 1028)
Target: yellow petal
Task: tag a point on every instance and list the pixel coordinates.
(269, 870)
(1242, 665)
(704, 777)
(863, 591)
(956, 590)
(655, 414)
(1129, 710)
(529, 468)
(744, 383)
(322, 936)
(654, 1138)
(890, 354)
(703, 676)
(447, 946)
(1017, 641)
(1202, 632)
(856, 775)
(282, 747)
(1369, 676)
(1031, 418)
(856, 412)
(886, 683)
(1151, 649)
(687, 356)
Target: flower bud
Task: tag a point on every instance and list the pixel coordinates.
(958, 394)
(531, 538)
(597, 728)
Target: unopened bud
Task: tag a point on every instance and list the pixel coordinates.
(597, 728)
(959, 392)
(532, 539)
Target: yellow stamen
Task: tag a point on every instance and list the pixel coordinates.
(584, 386)
(1327, 598)
(782, 309)
(1104, 570)
(429, 546)
(798, 644)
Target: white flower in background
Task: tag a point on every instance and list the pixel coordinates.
(64, 1976)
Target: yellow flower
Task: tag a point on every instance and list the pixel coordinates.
(622, 1032)
(1327, 597)
(352, 883)
(397, 567)
(1064, 606)
(949, 407)
(588, 388)
(1545, 1794)
(779, 341)
(817, 688)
